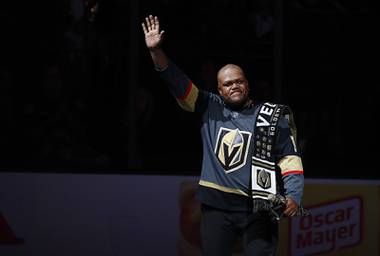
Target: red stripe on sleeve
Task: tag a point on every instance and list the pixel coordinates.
(188, 89)
(293, 172)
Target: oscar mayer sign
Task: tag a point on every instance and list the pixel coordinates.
(330, 226)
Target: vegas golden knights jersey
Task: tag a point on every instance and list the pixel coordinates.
(229, 141)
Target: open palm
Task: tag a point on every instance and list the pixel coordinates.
(153, 35)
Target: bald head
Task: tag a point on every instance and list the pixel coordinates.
(227, 68)
(232, 85)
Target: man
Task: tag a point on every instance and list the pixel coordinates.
(249, 156)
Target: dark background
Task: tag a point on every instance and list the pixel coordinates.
(78, 91)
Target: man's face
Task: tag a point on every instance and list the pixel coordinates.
(233, 86)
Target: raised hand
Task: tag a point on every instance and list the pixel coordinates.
(153, 35)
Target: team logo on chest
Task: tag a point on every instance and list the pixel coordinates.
(231, 148)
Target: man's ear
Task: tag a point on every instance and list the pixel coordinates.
(219, 90)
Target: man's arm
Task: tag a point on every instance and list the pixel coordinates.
(182, 88)
(294, 184)
(153, 40)
(291, 167)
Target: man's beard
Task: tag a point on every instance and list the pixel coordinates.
(238, 105)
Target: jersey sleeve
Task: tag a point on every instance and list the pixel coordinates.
(183, 89)
(289, 161)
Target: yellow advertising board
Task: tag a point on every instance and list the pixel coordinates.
(343, 220)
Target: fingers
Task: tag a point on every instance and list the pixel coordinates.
(291, 208)
(147, 21)
(157, 23)
(290, 212)
(144, 28)
(151, 23)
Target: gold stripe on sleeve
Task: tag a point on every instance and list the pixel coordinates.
(222, 188)
(289, 163)
(188, 103)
